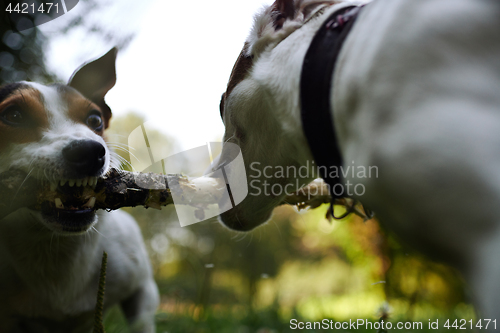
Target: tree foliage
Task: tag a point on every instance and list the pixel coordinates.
(21, 53)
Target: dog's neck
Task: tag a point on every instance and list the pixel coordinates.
(31, 247)
(315, 92)
(23, 229)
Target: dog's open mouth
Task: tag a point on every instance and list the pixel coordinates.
(72, 208)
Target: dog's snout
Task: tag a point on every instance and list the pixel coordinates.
(85, 157)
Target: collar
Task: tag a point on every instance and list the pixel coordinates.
(315, 88)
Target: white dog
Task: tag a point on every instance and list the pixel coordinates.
(50, 260)
(415, 91)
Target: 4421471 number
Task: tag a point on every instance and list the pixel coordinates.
(462, 324)
(26, 8)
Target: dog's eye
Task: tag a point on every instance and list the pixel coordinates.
(13, 117)
(94, 121)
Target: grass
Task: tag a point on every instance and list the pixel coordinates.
(266, 321)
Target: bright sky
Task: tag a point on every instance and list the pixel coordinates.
(176, 67)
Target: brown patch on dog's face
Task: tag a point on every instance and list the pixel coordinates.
(282, 11)
(240, 70)
(82, 110)
(22, 115)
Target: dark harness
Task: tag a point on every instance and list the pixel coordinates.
(315, 88)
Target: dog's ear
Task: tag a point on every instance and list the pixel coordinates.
(94, 79)
(282, 11)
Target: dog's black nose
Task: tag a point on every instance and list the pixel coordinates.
(85, 157)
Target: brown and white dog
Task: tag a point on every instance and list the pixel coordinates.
(415, 93)
(50, 260)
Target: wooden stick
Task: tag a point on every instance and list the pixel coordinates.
(128, 189)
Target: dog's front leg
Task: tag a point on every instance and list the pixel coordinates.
(139, 309)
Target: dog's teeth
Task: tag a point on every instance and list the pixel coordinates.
(85, 181)
(71, 182)
(59, 204)
(53, 186)
(90, 203)
(79, 182)
(63, 181)
(94, 182)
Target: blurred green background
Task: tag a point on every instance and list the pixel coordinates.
(298, 266)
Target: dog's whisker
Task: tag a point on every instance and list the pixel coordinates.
(20, 186)
(237, 218)
(115, 160)
(120, 144)
(124, 165)
(31, 162)
(250, 241)
(118, 149)
(118, 156)
(117, 135)
(130, 153)
(121, 149)
(121, 160)
(117, 165)
(124, 161)
(97, 231)
(278, 228)
(230, 138)
(243, 236)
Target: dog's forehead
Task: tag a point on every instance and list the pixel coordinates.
(51, 97)
(9, 89)
(19, 89)
(63, 102)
